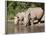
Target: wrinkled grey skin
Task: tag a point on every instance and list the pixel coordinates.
(29, 16)
(35, 13)
(20, 16)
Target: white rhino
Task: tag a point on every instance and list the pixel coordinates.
(31, 13)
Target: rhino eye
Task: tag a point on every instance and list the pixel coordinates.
(17, 17)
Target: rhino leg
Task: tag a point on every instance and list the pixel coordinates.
(32, 22)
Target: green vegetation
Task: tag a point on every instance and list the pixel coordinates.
(13, 7)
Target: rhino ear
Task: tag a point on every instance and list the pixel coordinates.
(17, 16)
